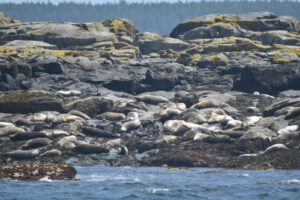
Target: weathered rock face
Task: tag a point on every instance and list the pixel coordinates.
(121, 26)
(103, 92)
(6, 20)
(269, 79)
(29, 101)
(228, 25)
(36, 172)
(152, 43)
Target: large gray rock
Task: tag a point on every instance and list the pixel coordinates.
(30, 43)
(151, 42)
(269, 79)
(29, 102)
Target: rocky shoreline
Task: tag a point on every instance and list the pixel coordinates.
(219, 91)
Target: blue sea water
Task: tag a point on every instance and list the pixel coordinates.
(100, 182)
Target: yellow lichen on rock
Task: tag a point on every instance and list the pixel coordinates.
(219, 59)
(280, 60)
(7, 20)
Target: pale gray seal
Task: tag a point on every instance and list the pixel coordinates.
(68, 142)
(112, 116)
(8, 130)
(23, 154)
(52, 153)
(130, 125)
(79, 114)
(275, 147)
(36, 143)
(206, 103)
(150, 99)
(250, 121)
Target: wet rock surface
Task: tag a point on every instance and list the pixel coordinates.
(219, 91)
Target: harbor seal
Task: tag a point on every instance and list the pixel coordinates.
(169, 113)
(114, 143)
(234, 123)
(4, 124)
(206, 103)
(39, 117)
(79, 114)
(68, 93)
(23, 154)
(68, 142)
(166, 139)
(179, 127)
(27, 136)
(36, 143)
(150, 99)
(200, 136)
(65, 118)
(25, 122)
(294, 112)
(95, 132)
(132, 116)
(275, 147)
(122, 150)
(52, 153)
(131, 125)
(112, 116)
(288, 132)
(91, 149)
(250, 121)
(8, 130)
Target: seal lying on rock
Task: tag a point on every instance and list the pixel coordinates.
(55, 132)
(200, 136)
(133, 123)
(8, 130)
(165, 138)
(112, 116)
(169, 113)
(98, 132)
(79, 114)
(23, 154)
(36, 143)
(90, 149)
(250, 121)
(52, 153)
(25, 122)
(288, 129)
(275, 147)
(68, 93)
(294, 112)
(206, 103)
(179, 127)
(4, 124)
(150, 99)
(114, 143)
(27, 136)
(68, 142)
(65, 118)
(233, 123)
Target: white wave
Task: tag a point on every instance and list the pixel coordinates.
(95, 177)
(103, 178)
(46, 179)
(157, 190)
(245, 175)
(291, 181)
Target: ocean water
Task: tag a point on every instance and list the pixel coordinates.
(100, 182)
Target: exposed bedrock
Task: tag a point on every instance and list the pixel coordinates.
(219, 91)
